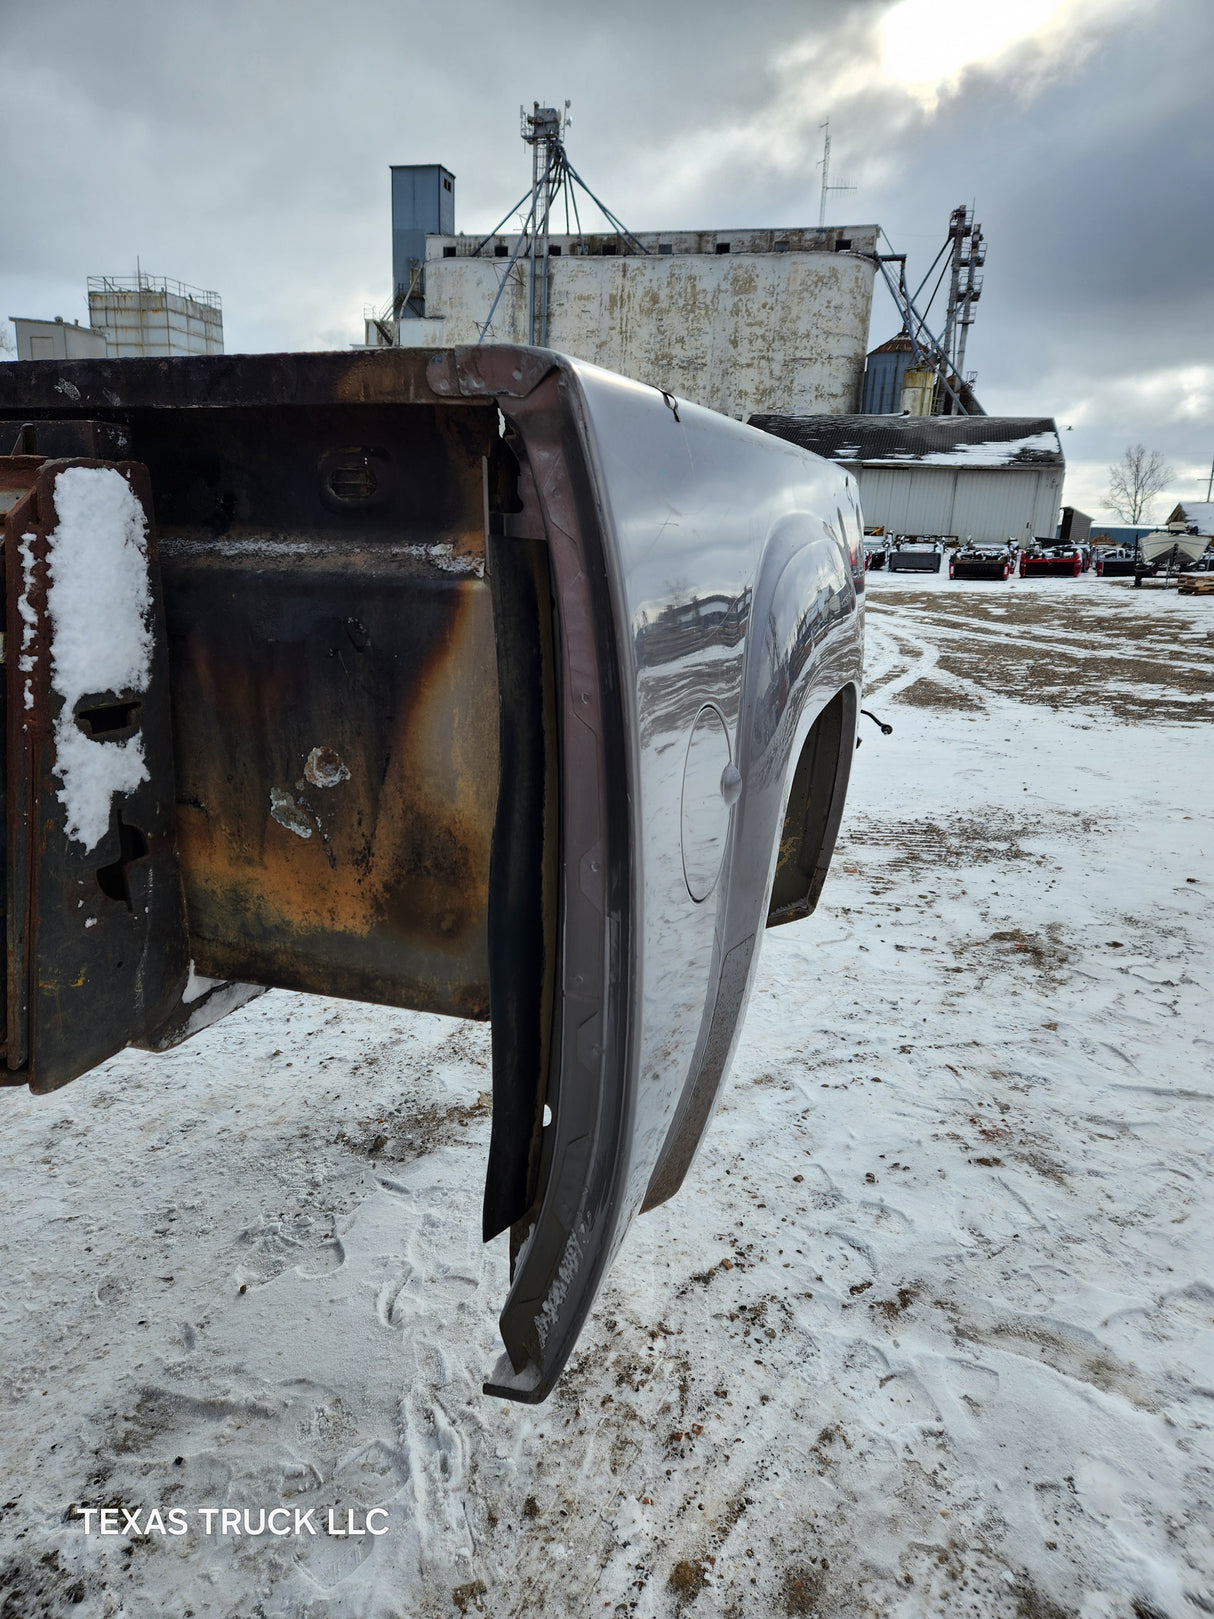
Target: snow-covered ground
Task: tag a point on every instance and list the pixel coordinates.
(930, 1330)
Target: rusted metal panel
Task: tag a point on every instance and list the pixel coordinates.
(335, 700)
(106, 390)
(335, 710)
(332, 655)
(97, 952)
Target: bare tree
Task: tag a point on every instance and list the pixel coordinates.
(1135, 480)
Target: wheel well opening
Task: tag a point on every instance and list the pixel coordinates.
(815, 808)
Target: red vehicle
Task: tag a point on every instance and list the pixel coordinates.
(1062, 561)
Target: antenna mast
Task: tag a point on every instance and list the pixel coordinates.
(543, 129)
(827, 188)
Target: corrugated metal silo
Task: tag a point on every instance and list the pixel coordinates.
(883, 373)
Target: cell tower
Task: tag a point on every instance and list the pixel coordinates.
(827, 188)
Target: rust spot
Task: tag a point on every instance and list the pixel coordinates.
(326, 768)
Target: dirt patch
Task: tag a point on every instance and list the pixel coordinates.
(687, 1580)
(891, 1309)
(829, 1448)
(469, 1596)
(1034, 1604)
(160, 1412)
(1043, 950)
(802, 1589)
(929, 693)
(732, 1512)
(1061, 651)
(960, 840)
(1043, 1164)
(399, 1135)
(38, 1589)
(1136, 690)
(1070, 1354)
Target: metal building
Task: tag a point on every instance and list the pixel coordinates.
(423, 204)
(738, 320)
(970, 477)
(153, 315)
(1118, 533)
(57, 339)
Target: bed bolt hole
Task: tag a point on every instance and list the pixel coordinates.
(107, 718)
(114, 880)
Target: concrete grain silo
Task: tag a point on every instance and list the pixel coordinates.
(153, 315)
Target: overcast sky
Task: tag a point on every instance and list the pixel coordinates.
(245, 147)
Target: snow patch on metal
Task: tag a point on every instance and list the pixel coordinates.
(219, 1002)
(450, 560)
(29, 619)
(196, 986)
(99, 603)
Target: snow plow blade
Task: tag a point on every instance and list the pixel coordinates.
(482, 682)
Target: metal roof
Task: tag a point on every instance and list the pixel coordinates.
(901, 344)
(1198, 514)
(956, 441)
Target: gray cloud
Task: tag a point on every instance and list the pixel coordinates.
(245, 147)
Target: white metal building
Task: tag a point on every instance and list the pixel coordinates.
(153, 315)
(971, 477)
(57, 339)
(740, 321)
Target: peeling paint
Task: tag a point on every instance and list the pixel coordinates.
(287, 813)
(747, 331)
